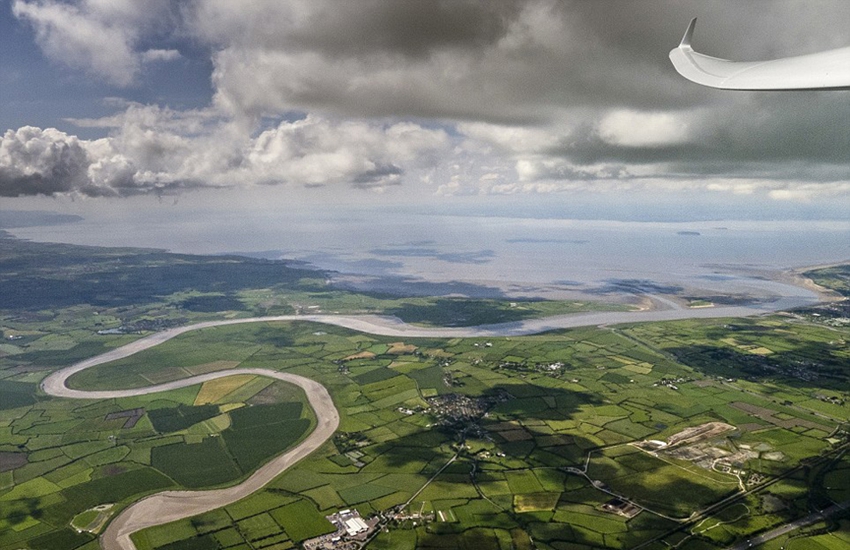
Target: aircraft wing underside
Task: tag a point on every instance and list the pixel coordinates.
(828, 70)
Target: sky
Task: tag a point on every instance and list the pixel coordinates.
(115, 104)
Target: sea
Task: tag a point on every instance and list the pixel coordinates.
(429, 252)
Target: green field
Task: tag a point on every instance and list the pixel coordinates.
(519, 432)
(546, 424)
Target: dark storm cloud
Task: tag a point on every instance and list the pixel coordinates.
(456, 96)
(413, 28)
(499, 61)
(493, 61)
(564, 67)
(800, 135)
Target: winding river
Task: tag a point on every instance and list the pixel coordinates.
(170, 506)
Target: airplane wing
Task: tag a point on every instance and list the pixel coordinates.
(828, 70)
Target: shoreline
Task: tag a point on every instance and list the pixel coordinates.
(607, 281)
(798, 278)
(751, 284)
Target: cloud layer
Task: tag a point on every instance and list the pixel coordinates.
(153, 150)
(449, 97)
(103, 38)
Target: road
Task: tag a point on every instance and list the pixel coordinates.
(794, 525)
(173, 505)
(702, 514)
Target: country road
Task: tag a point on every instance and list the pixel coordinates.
(793, 526)
(170, 506)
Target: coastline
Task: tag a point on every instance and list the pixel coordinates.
(797, 277)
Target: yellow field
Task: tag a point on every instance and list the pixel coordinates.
(221, 422)
(400, 348)
(642, 368)
(536, 502)
(403, 364)
(214, 390)
(361, 355)
(755, 350)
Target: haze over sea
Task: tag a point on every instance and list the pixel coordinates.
(478, 252)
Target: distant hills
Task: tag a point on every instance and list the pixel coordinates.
(34, 218)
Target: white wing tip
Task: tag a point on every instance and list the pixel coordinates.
(689, 33)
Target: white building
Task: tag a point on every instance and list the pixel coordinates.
(355, 526)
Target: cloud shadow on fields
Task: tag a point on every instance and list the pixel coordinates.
(514, 404)
(36, 276)
(807, 366)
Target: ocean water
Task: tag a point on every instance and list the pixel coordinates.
(521, 253)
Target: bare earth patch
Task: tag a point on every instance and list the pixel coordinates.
(12, 461)
(699, 433)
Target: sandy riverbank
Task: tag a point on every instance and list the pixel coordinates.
(798, 277)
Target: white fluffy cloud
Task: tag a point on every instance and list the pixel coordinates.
(49, 162)
(515, 139)
(98, 36)
(153, 150)
(41, 161)
(640, 129)
(315, 151)
(155, 55)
